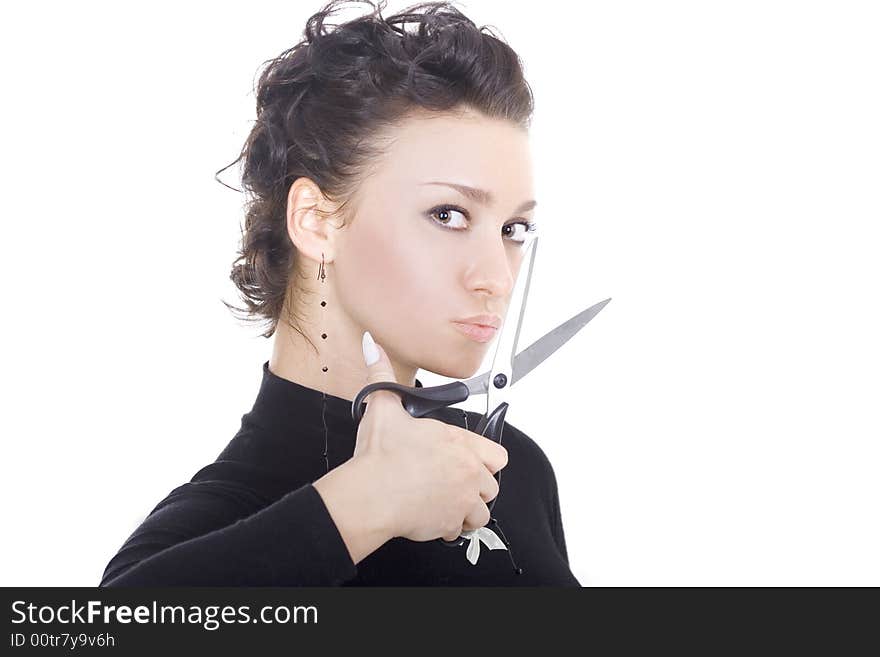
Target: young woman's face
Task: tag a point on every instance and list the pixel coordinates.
(409, 265)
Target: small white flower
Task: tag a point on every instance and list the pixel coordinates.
(482, 534)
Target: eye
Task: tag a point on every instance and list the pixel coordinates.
(445, 216)
(520, 235)
(445, 213)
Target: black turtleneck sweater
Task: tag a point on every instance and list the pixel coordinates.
(253, 518)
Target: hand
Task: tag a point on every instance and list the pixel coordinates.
(435, 478)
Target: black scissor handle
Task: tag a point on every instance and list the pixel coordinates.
(417, 401)
(491, 427)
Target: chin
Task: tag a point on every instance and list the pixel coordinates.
(459, 363)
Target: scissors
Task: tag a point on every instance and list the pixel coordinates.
(508, 367)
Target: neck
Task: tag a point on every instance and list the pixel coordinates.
(294, 359)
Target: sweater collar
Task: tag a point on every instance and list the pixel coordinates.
(287, 406)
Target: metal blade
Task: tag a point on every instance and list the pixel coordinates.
(501, 375)
(505, 347)
(537, 352)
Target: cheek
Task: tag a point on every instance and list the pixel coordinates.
(391, 275)
(396, 284)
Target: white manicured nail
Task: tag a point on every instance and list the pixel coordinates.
(371, 354)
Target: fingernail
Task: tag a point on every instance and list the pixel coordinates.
(371, 354)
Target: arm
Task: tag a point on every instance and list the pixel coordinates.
(203, 534)
(358, 509)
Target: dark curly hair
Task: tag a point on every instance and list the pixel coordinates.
(324, 104)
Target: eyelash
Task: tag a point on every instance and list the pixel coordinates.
(531, 226)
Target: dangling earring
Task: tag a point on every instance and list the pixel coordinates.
(321, 273)
(321, 276)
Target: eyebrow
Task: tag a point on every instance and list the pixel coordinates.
(482, 196)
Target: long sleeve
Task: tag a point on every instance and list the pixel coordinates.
(203, 535)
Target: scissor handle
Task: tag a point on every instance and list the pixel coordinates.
(417, 401)
(491, 427)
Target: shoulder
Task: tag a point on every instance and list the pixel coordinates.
(259, 462)
(221, 488)
(248, 483)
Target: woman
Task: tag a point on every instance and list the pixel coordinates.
(391, 193)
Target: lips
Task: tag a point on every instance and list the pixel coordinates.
(477, 332)
(493, 321)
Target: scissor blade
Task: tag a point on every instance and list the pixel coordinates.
(535, 354)
(505, 347)
(501, 375)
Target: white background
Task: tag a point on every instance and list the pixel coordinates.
(712, 167)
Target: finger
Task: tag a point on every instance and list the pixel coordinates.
(493, 455)
(454, 536)
(378, 369)
(488, 486)
(478, 517)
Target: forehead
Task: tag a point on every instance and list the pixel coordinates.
(464, 147)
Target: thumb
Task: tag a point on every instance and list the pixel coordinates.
(378, 368)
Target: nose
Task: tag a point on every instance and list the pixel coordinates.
(492, 267)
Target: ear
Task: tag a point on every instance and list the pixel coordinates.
(308, 211)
